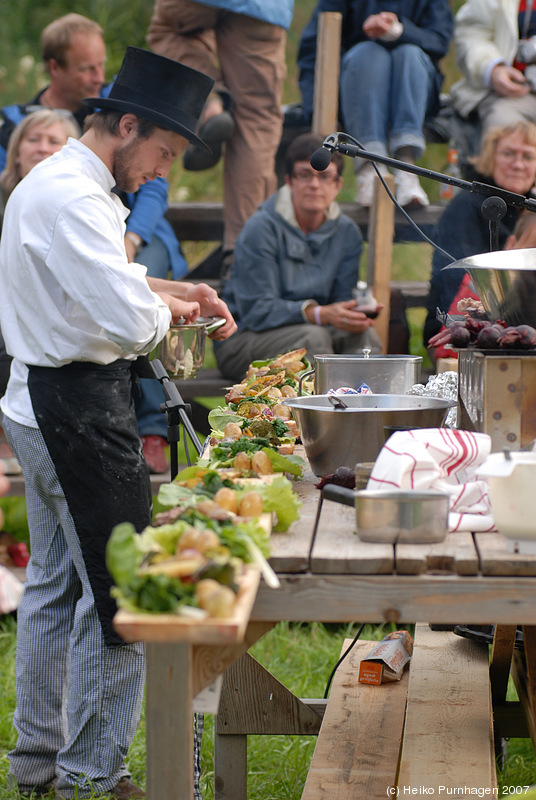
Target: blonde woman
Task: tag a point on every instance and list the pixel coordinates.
(35, 138)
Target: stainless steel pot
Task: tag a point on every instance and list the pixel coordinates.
(385, 374)
(342, 436)
(182, 350)
(396, 516)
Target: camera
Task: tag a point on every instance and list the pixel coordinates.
(526, 50)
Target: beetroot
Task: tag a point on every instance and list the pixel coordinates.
(460, 336)
(521, 337)
(489, 337)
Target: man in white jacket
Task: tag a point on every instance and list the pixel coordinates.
(497, 80)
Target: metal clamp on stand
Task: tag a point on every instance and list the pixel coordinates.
(176, 411)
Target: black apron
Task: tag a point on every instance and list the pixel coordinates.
(86, 415)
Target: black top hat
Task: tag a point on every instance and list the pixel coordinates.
(161, 90)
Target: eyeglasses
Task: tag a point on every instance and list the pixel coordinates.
(306, 176)
(511, 155)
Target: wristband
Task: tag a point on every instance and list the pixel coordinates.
(316, 315)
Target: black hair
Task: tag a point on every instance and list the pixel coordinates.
(303, 147)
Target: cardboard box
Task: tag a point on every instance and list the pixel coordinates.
(387, 659)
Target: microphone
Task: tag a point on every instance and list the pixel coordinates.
(321, 158)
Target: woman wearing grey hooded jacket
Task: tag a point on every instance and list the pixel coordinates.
(296, 263)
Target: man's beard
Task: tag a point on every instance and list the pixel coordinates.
(124, 156)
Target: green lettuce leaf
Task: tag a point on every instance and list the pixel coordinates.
(123, 553)
(280, 498)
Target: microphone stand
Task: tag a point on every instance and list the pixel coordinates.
(510, 198)
(176, 413)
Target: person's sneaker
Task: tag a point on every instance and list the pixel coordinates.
(365, 184)
(408, 189)
(126, 790)
(154, 448)
(214, 132)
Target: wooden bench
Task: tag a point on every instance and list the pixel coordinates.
(432, 728)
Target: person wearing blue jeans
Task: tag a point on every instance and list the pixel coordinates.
(389, 82)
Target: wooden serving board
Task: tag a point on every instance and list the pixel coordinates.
(170, 628)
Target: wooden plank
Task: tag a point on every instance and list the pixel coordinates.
(336, 534)
(448, 737)
(445, 599)
(230, 767)
(290, 550)
(209, 661)
(253, 701)
(172, 628)
(501, 659)
(380, 253)
(326, 86)
(519, 675)
(356, 754)
(496, 558)
(169, 742)
(456, 554)
(204, 221)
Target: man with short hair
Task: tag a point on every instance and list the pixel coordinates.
(76, 315)
(74, 56)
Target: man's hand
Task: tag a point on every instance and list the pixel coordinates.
(209, 304)
(180, 308)
(212, 306)
(379, 24)
(508, 81)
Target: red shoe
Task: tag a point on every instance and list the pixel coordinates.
(154, 451)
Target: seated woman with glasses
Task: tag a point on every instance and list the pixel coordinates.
(296, 263)
(507, 160)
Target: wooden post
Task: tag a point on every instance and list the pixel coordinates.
(380, 252)
(327, 68)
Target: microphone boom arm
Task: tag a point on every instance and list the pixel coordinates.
(483, 189)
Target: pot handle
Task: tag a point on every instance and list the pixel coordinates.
(339, 494)
(216, 323)
(303, 376)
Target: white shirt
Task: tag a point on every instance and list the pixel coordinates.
(67, 291)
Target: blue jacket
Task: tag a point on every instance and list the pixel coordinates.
(148, 206)
(278, 12)
(277, 266)
(427, 23)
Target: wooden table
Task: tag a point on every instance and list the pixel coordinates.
(333, 577)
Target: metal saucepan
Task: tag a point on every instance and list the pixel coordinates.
(396, 516)
(355, 431)
(384, 374)
(182, 350)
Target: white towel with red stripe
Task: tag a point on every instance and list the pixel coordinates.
(445, 460)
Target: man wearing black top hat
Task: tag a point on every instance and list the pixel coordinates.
(75, 316)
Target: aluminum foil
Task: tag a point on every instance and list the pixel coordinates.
(444, 386)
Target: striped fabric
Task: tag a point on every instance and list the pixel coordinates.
(78, 702)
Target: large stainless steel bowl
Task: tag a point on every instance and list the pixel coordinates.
(385, 374)
(505, 281)
(335, 437)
